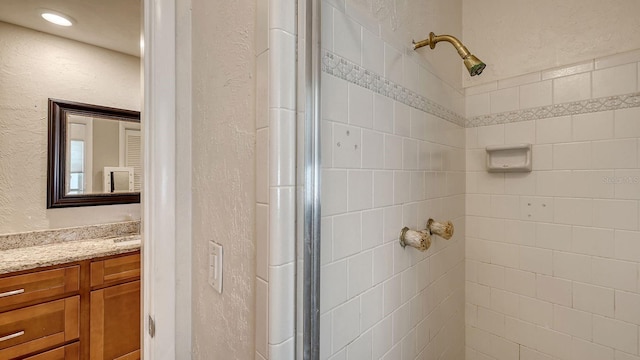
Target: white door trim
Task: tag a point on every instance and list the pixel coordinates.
(159, 191)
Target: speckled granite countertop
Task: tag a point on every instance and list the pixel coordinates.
(36, 249)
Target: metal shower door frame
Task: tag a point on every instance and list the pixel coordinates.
(309, 243)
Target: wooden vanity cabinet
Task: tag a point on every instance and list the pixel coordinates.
(64, 313)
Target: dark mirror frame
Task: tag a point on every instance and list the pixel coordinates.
(56, 197)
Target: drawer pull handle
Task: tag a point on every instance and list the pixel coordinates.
(12, 336)
(10, 293)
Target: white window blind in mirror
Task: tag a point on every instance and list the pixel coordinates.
(133, 151)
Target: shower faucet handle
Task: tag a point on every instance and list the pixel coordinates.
(420, 240)
(444, 230)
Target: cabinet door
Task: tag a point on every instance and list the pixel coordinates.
(115, 322)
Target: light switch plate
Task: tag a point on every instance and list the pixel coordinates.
(215, 266)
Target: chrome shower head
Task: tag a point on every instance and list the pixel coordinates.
(473, 64)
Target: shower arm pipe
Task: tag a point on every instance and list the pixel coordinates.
(471, 62)
(434, 39)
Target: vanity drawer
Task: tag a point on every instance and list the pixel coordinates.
(38, 327)
(20, 289)
(115, 271)
(69, 352)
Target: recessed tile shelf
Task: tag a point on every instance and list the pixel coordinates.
(509, 158)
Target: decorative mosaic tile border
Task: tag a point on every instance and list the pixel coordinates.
(344, 69)
(549, 111)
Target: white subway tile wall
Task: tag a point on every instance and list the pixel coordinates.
(550, 268)
(389, 165)
(553, 256)
(572, 88)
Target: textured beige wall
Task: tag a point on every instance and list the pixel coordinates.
(34, 67)
(516, 37)
(223, 150)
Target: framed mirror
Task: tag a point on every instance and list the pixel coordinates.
(94, 155)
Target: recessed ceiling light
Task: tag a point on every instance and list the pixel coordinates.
(57, 18)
